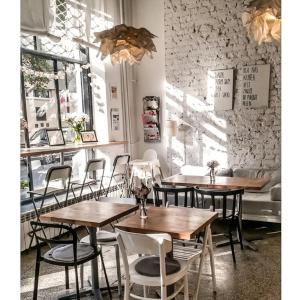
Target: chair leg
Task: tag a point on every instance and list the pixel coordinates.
(105, 274)
(82, 276)
(126, 290)
(186, 288)
(212, 261)
(231, 244)
(240, 233)
(118, 270)
(163, 292)
(67, 277)
(36, 278)
(77, 283)
(202, 257)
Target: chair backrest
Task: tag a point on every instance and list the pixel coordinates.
(121, 160)
(95, 165)
(149, 244)
(38, 229)
(234, 195)
(174, 191)
(59, 172)
(150, 154)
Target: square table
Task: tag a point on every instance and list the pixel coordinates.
(92, 214)
(221, 182)
(180, 222)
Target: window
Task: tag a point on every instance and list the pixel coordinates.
(52, 87)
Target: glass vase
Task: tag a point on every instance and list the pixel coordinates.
(77, 137)
(212, 175)
(143, 210)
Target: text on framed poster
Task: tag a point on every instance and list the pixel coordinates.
(255, 85)
(220, 88)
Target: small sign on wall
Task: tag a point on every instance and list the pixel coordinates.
(220, 89)
(255, 85)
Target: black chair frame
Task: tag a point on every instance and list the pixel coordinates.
(124, 175)
(46, 193)
(39, 226)
(175, 191)
(94, 181)
(233, 219)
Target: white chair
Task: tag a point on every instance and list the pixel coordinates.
(188, 251)
(145, 270)
(147, 168)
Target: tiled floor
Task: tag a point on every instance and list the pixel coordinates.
(257, 275)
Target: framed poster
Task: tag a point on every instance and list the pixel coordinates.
(220, 89)
(55, 137)
(88, 136)
(255, 85)
(113, 90)
(115, 119)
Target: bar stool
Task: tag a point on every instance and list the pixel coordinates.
(54, 174)
(93, 165)
(120, 174)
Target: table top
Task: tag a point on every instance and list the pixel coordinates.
(220, 182)
(90, 213)
(35, 151)
(180, 222)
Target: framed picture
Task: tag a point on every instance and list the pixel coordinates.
(113, 92)
(55, 137)
(88, 136)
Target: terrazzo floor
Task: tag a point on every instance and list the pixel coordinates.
(257, 275)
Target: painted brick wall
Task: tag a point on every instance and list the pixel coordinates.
(202, 35)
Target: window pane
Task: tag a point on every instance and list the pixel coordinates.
(70, 94)
(24, 180)
(40, 95)
(40, 166)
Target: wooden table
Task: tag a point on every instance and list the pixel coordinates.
(92, 214)
(221, 182)
(181, 223)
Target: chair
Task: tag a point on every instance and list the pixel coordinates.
(175, 192)
(54, 174)
(120, 174)
(67, 253)
(145, 168)
(154, 269)
(229, 214)
(92, 166)
(187, 250)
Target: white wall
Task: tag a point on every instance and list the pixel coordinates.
(150, 73)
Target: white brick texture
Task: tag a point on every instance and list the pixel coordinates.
(209, 35)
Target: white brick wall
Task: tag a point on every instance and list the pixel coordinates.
(207, 35)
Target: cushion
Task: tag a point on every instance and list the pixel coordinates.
(102, 236)
(274, 178)
(225, 172)
(149, 266)
(276, 192)
(65, 253)
(243, 172)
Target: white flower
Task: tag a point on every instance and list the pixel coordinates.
(212, 163)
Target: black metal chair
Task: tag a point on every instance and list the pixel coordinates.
(54, 174)
(120, 174)
(229, 213)
(67, 253)
(173, 191)
(92, 166)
